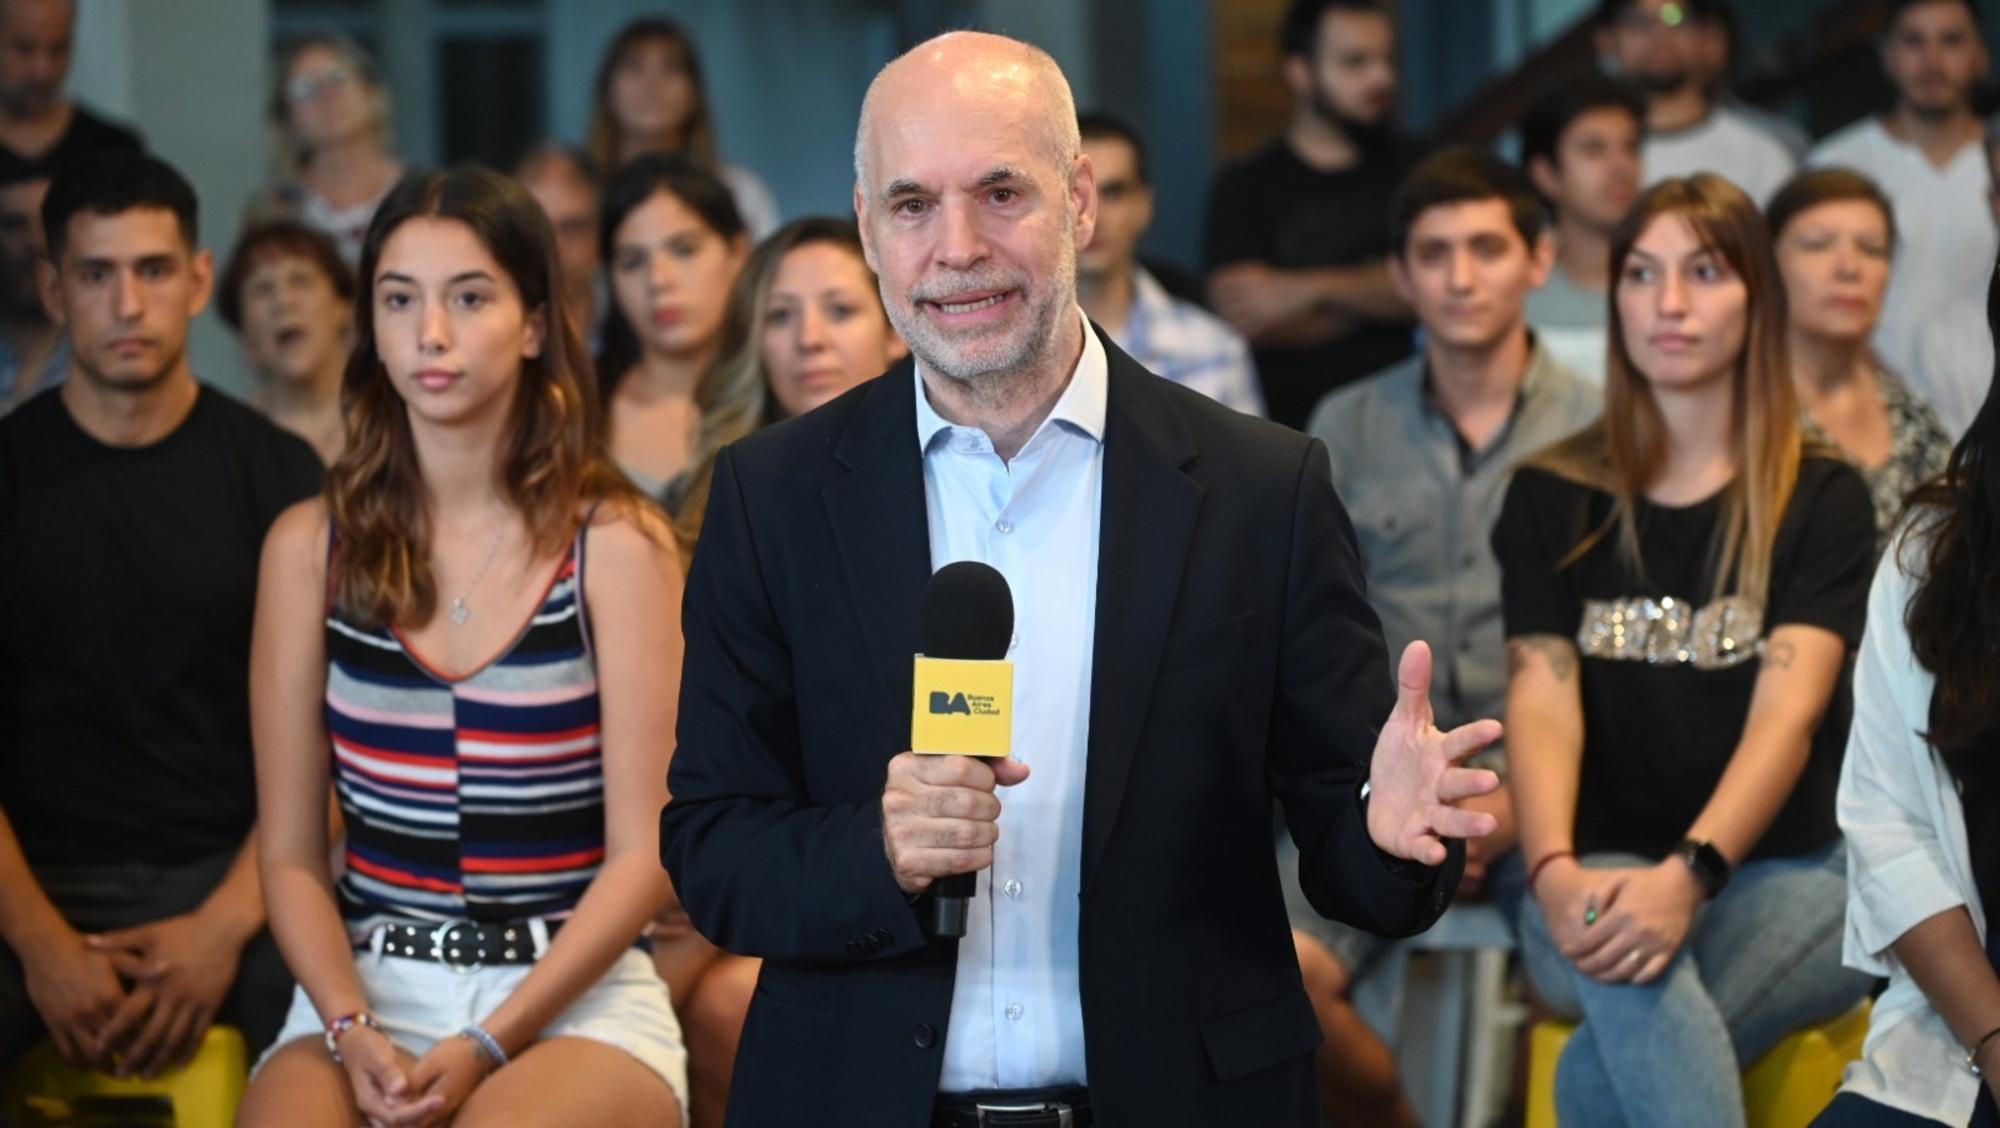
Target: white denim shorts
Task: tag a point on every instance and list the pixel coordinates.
(420, 1002)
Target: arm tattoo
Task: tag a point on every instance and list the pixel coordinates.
(1780, 654)
(1559, 652)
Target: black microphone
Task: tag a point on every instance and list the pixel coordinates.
(967, 614)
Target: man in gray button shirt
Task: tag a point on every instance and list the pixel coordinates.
(1422, 451)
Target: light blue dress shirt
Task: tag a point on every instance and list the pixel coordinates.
(1016, 1015)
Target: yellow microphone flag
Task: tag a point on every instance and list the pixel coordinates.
(963, 707)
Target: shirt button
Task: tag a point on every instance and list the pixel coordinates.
(925, 1036)
(1005, 525)
(1470, 560)
(1013, 1012)
(1013, 888)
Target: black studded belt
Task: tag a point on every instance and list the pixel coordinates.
(465, 946)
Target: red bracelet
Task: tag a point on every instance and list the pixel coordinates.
(1546, 859)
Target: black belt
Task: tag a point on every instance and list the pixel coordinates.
(463, 945)
(1062, 1106)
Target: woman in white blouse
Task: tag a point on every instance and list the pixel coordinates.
(1917, 803)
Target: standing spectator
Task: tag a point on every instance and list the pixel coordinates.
(34, 350)
(566, 182)
(290, 300)
(1926, 155)
(650, 98)
(1297, 233)
(1172, 337)
(40, 125)
(331, 111)
(133, 499)
(1683, 589)
(1580, 144)
(672, 245)
(1659, 45)
(1421, 454)
(1836, 237)
(468, 634)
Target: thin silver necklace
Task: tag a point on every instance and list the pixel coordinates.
(460, 613)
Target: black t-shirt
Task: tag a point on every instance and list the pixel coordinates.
(1271, 207)
(1658, 727)
(87, 133)
(128, 578)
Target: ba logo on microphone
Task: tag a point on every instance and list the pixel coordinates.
(943, 703)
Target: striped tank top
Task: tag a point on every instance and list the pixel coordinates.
(478, 798)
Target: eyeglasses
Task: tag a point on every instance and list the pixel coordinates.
(1669, 15)
(306, 87)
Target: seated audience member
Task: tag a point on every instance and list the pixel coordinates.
(1659, 45)
(565, 181)
(34, 351)
(650, 98)
(132, 502)
(805, 325)
(331, 113)
(469, 634)
(1294, 239)
(1580, 145)
(672, 245)
(1682, 588)
(1421, 454)
(1954, 365)
(290, 299)
(40, 125)
(1925, 154)
(1917, 805)
(1170, 336)
(1835, 237)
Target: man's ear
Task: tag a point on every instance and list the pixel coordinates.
(50, 285)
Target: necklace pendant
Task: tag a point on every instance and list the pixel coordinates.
(460, 613)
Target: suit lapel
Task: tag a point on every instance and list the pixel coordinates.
(1146, 527)
(881, 531)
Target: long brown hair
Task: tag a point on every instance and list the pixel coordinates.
(1954, 556)
(697, 138)
(552, 464)
(1625, 450)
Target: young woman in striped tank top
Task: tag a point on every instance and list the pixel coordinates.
(475, 635)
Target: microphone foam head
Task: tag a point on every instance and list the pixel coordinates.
(967, 613)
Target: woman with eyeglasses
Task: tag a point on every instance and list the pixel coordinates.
(330, 111)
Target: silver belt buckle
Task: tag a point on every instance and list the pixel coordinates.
(1064, 1113)
(444, 953)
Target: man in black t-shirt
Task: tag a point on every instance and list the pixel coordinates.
(133, 506)
(40, 126)
(1297, 235)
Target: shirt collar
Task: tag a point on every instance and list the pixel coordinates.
(1081, 406)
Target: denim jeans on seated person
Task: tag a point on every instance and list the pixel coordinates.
(1761, 961)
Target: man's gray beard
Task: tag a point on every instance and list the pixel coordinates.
(993, 382)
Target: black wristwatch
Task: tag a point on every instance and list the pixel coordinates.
(1709, 866)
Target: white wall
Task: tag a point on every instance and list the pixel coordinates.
(193, 79)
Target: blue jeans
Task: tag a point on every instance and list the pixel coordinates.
(1762, 960)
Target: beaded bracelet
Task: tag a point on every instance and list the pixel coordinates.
(342, 1025)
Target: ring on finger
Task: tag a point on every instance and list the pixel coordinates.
(1634, 956)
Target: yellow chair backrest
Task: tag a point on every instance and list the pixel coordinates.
(1785, 1089)
(41, 1088)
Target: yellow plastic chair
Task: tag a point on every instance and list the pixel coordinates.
(41, 1088)
(1785, 1089)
